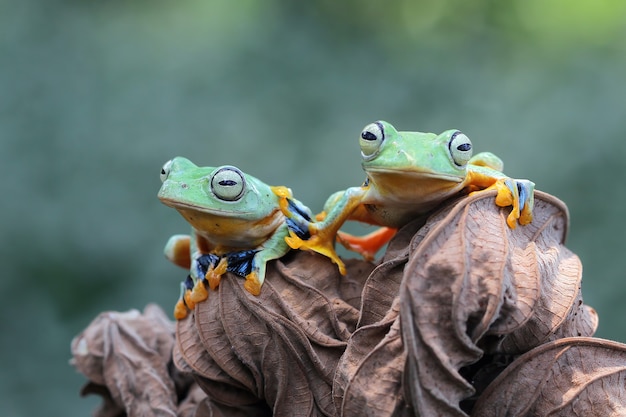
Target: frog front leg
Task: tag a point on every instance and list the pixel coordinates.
(520, 195)
(323, 232)
(303, 233)
(488, 160)
(515, 193)
(273, 248)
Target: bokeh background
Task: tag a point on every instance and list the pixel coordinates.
(96, 95)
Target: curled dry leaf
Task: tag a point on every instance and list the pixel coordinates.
(574, 376)
(468, 289)
(276, 352)
(126, 357)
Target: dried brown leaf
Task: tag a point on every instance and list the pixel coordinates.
(127, 356)
(576, 376)
(473, 285)
(280, 348)
(467, 288)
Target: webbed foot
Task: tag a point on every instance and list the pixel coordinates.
(284, 194)
(319, 242)
(368, 245)
(198, 294)
(212, 276)
(184, 303)
(180, 310)
(214, 273)
(188, 301)
(520, 195)
(252, 284)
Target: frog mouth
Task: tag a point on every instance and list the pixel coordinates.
(416, 174)
(179, 205)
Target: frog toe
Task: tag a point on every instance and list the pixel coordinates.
(214, 274)
(319, 243)
(253, 284)
(519, 194)
(184, 303)
(527, 200)
(506, 192)
(180, 310)
(188, 301)
(199, 292)
(294, 241)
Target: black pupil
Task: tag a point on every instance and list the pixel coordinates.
(227, 183)
(162, 171)
(464, 147)
(367, 135)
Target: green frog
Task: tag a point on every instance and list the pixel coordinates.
(409, 174)
(237, 223)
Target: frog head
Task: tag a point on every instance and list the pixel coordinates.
(226, 206)
(414, 167)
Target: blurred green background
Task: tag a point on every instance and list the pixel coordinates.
(96, 95)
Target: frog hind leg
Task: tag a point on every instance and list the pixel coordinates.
(368, 245)
(177, 250)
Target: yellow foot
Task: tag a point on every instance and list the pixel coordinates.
(214, 274)
(504, 197)
(508, 196)
(199, 292)
(180, 310)
(283, 193)
(188, 301)
(317, 243)
(252, 284)
(526, 216)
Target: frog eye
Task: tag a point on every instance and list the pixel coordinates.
(228, 183)
(371, 139)
(165, 171)
(460, 148)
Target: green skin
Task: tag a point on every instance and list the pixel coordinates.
(409, 174)
(228, 211)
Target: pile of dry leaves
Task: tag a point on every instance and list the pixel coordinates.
(462, 316)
